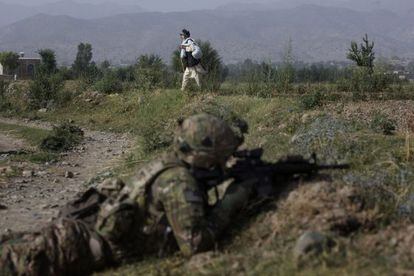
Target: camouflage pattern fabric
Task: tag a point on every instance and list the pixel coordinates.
(69, 247)
(204, 141)
(66, 247)
(183, 200)
(132, 220)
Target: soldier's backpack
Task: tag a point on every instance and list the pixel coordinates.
(87, 205)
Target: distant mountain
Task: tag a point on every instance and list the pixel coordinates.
(10, 13)
(318, 33)
(86, 10)
(397, 6)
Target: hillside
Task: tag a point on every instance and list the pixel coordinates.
(318, 33)
(10, 13)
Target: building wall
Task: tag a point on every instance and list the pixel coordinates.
(27, 68)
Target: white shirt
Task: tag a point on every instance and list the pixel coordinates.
(189, 44)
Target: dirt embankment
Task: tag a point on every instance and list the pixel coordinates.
(402, 112)
(33, 196)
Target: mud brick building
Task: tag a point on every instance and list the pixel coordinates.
(25, 70)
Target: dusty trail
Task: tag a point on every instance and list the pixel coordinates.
(32, 200)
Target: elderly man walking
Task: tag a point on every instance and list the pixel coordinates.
(191, 58)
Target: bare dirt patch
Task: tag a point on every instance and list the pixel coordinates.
(8, 143)
(34, 196)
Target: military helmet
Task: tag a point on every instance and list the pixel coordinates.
(204, 140)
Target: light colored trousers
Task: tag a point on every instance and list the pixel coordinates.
(192, 73)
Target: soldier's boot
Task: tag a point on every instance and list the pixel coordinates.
(66, 247)
(237, 195)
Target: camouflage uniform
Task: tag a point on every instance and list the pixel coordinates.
(164, 197)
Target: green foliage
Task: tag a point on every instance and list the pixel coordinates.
(381, 123)
(48, 61)
(363, 83)
(110, 83)
(10, 61)
(45, 90)
(83, 58)
(66, 73)
(286, 73)
(83, 67)
(312, 100)
(151, 72)
(63, 138)
(105, 65)
(363, 55)
(126, 74)
(3, 98)
(212, 62)
(34, 136)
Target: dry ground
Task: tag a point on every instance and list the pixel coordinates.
(34, 193)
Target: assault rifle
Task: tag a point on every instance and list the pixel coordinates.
(249, 164)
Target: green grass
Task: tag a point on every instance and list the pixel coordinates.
(33, 136)
(382, 166)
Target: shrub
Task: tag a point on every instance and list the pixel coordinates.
(3, 89)
(156, 136)
(381, 123)
(109, 83)
(126, 73)
(150, 73)
(312, 100)
(63, 138)
(45, 90)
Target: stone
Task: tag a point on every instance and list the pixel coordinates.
(28, 173)
(312, 244)
(69, 174)
(42, 110)
(6, 170)
(41, 173)
(3, 207)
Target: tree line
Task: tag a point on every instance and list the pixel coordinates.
(150, 72)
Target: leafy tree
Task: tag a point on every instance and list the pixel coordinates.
(363, 55)
(286, 72)
(110, 83)
(151, 72)
(10, 61)
(104, 65)
(410, 67)
(82, 63)
(48, 63)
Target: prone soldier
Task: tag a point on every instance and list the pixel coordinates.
(164, 207)
(118, 220)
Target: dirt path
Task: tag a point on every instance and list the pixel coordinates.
(32, 200)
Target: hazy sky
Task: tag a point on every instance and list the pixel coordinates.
(185, 5)
(159, 5)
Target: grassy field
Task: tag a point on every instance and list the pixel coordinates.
(375, 137)
(33, 137)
